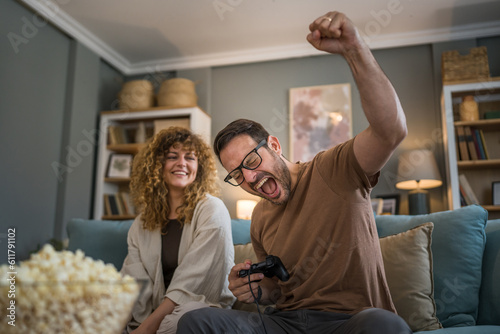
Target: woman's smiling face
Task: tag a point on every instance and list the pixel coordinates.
(180, 167)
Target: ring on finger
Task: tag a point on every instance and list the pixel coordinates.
(327, 18)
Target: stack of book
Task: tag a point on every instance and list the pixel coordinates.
(118, 204)
(471, 143)
(467, 195)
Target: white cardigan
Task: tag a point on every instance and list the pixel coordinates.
(206, 256)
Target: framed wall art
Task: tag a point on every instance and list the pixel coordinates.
(320, 118)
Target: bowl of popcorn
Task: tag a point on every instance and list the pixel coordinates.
(65, 292)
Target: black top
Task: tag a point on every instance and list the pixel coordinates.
(170, 241)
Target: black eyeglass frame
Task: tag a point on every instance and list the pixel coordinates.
(228, 177)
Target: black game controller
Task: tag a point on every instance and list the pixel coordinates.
(272, 266)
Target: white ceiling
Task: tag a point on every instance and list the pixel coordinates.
(140, 36)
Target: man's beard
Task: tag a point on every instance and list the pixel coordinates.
(281, 176)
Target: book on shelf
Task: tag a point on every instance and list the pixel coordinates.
(116, 135)
(481, 135)
(107, 206)
(113, 204)
(469, 195)
(118, 204)
(462, 144)
(127, 203)
(480, 149)
(471, 143)
(464, 200)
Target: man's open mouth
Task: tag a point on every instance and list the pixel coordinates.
(268, 187)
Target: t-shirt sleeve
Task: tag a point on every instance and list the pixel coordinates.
(340, 169)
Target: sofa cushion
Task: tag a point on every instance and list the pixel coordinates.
(243, 252)
(458, 242)
(104, 240)
(241, 231)
(489, 298)
(408, 268)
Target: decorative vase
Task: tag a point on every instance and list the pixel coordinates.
(469, 110)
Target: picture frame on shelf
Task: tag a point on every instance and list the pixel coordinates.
(377, 205)
(119, 165)
(495, 192)
(390, 205)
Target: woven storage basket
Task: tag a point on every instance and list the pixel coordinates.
(178, 92)
(136, 94)
(474, 65)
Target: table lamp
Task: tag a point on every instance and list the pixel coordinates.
(417, 171)
(244, 208)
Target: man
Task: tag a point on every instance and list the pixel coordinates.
(317, 216)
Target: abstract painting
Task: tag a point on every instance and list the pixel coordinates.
(320, 118)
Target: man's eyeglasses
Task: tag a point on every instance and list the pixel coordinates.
(251, 161)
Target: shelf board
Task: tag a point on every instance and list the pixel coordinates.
(471, 81)
(157, 108)
(491, 124)
(126, 148)
(478, 164)
(492, 208)
(117, 179)
(118, 217)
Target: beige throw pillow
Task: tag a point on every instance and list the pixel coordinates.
(243, 252)
(408, 268)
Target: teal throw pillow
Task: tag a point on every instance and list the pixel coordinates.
(458, 242)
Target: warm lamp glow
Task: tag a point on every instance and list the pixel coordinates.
(244, 208)
(417, 169)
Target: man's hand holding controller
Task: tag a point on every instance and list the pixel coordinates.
(240, 284)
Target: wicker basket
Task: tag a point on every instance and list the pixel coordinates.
(136, 94)
(178, 92)
(474, 65)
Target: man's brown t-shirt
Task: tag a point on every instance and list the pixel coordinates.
(326, 237)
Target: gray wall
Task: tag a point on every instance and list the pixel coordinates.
(33, 81)
(51, 89)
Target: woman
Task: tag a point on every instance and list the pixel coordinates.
(181, 242)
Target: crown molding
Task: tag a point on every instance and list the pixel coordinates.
(70, 26)
(58, 17)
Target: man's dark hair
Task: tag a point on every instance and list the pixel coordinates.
(239, 127)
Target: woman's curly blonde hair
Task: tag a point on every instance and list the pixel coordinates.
(149, 190)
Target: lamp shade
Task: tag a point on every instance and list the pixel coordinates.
(417, 169)
(244, 208)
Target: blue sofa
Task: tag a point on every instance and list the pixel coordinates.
(464, 257)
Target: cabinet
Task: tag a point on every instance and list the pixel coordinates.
(480, 173)
(129, 123)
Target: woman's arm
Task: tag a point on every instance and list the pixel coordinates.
(152, 323)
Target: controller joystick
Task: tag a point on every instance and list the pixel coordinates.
(271, 267)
